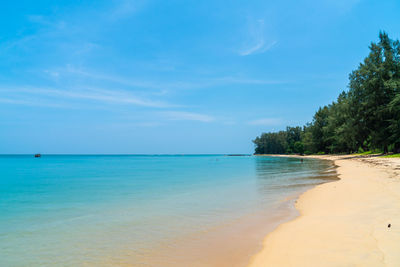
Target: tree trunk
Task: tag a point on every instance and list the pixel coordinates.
(385, 149)
(397, 147)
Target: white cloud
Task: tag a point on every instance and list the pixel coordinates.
(266, 121)
(342, 5)
(257, 43)
(236, 80)
(148, 124)
(54, 74)
(163, 86)
(260, 47)
(110, 96)
(124, 9)
(96, 94)
(187, 116)
(114, 79)
(30, 102)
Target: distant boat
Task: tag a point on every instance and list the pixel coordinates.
(37, 155)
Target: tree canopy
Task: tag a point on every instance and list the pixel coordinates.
(365, 117)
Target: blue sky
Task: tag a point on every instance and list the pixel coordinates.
(152, 76)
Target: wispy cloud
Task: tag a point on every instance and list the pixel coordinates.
(163, 86)
(30, 102)
(259, 47)
(110, 97)
(148, 124)
(124, 8)
(258, 42)
(46, 22)
(239, 80)
(266, 121)
(187, 116)
(99, 95)
(67, 33)
(115, 79)
(342, 6)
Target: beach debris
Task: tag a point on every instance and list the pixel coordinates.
(389, 225)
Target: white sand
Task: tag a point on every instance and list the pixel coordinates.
(343, 223)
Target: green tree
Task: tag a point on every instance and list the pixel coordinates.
(318, 130)
(394, 108)
(299, 147)
(373, 86)
(293, 135)
(365, 117)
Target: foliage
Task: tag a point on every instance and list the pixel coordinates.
(369, 152)
(366, 117)
(392, 156)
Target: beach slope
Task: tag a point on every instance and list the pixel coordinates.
(351, 222)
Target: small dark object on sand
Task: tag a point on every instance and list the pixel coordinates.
(37, 155)
(389, 225)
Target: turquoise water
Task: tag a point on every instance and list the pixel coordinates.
(125, 210)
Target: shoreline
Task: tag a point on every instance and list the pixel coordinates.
(235, 243)
(344, 223)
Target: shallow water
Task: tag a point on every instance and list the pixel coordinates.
(202, 210)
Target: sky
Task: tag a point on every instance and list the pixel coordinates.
(174, 77)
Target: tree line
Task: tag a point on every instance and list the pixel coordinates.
(363, 118)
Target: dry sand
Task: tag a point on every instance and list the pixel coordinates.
(343, 223)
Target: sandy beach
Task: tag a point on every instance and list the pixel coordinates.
(354, 221)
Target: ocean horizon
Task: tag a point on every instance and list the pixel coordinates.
(146, 210)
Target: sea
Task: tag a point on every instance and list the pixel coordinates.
(147, 210)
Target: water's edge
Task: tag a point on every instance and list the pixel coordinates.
(295, 213)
